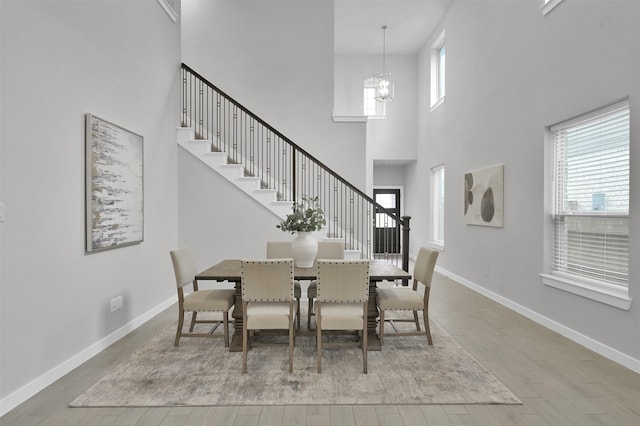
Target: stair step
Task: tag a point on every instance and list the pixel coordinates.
(281, 208)
(265, 195)
(184, 134)
(197, 146)
(352, 254)
(249, 183)
(231, 171)
(214, 159)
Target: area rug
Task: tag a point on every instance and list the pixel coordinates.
(201, 372)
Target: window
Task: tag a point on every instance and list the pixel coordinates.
(549, 5)
(437, 204)
(371, 106)
(438, 56)
(591, 200)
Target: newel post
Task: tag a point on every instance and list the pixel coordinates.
(405, 246)
(294, 177)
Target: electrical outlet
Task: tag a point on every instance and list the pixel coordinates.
(1, 212)
(119, 302)
(114, 304)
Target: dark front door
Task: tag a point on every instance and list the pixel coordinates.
(387, 230)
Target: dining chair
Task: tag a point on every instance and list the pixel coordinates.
(282, 250)
(215, 300)
(404, 298)
(326, 250)
(267, 300)
(342, 301)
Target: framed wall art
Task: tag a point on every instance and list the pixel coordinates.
(114, 185)
(483, 197)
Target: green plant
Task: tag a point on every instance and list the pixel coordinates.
(306, 217)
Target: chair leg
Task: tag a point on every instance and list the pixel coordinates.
(364, 340)
(225, 323)
(319, 337)
(244, 339)
(298, 314)
(194, 314)
(381, 328)
(425, 314)
(179, 331)
(291, 335)
(415, 318)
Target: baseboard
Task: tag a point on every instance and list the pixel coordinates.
(586, 341)
(19, 396)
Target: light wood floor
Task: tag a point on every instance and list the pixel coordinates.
(559, 382)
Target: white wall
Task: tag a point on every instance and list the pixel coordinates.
(388, 175)
(276, 58)
(227, 223)
(510, 73)
(60, 60)
(395, 136)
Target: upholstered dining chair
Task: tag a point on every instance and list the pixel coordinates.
(267, 300)
(342, 301)
(403, 298)
(215, 300)
(282, 250)
(326, 250)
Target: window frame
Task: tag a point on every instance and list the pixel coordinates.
(438, 72)
(611, 294)
(437, 206)
(381, 111)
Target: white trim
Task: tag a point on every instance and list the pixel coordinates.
(586, 341)
(350, 118)
(170, 11)
(437, 245)
(549, 5)
(608, 295)
(19, 396)
(597, 113)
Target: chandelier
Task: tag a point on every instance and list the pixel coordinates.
(384, 85)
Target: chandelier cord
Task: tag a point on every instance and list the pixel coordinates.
(384, 43)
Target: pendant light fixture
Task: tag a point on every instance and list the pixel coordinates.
(384, 85)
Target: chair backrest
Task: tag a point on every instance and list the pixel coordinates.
(267, 280)
(330, 250)
(345, 281)
(425, 264)
(278, 249)
(183, 266)
(326, 250)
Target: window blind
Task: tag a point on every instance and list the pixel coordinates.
(591, 180)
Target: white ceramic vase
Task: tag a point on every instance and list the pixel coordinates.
(304, 249)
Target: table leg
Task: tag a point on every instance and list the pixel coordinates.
(373, 342)
(236, 340)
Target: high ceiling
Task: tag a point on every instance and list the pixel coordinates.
(410, 22)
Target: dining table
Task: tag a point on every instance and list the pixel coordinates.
(379, 270)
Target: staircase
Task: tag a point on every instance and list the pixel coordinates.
(234, 173)
(276, 172)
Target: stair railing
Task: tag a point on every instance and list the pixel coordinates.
(290, 170)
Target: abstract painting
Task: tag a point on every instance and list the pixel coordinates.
(483, 197)
(114, 185)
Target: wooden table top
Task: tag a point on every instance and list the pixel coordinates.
(229, 270)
